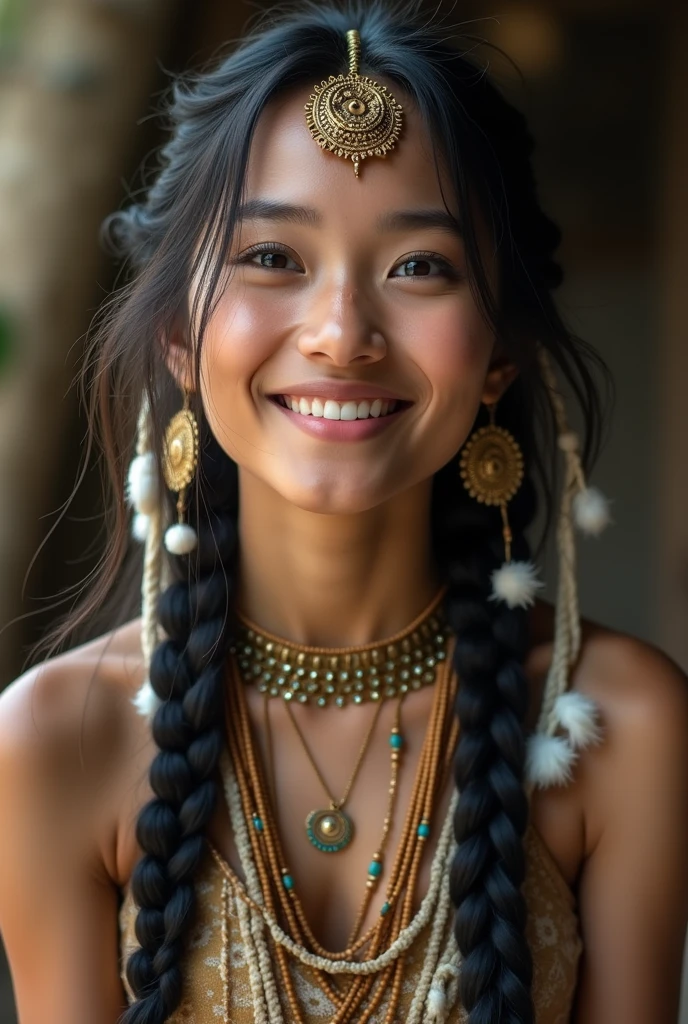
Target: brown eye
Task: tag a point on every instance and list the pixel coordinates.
(416, 268)
(273, 259)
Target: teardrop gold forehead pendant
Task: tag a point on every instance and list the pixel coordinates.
(352, 115)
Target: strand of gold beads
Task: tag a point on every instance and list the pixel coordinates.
(277, 886)
(323, 676)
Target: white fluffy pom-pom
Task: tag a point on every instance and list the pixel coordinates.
(549, 760)
(591, 512)
(146, 700)
(139, 527)
(578, 715)
(516, 584)
(142, 483)
(436, 1005)
(180, 539)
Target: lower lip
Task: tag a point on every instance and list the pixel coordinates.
(341, 430)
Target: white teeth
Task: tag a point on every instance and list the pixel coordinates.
(349, 411)
(332, 410)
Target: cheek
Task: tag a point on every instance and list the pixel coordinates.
(239, 339)
(451, 346)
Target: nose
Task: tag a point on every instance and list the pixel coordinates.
(341, 331)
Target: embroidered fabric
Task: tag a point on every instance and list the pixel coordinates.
(216, 969)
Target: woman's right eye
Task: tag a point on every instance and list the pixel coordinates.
(270, 258)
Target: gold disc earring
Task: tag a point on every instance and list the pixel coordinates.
(492, 471)
(179, 462)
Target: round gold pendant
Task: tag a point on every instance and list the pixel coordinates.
(354, 117)
(492, 466)
(180, 452)
(329, 830)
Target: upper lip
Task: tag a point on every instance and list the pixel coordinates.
(339, 390)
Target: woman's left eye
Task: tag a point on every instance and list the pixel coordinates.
(424, 265)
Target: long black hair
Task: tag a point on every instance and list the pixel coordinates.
(189, 212)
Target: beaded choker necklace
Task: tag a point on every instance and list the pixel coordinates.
(323, 676)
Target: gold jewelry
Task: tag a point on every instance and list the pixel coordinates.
(342, 675)
(353, 115)
(261, 856)
(179, 462)
(332, 829)
(492, 470)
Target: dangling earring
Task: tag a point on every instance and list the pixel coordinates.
(179, 462)
(492, 472)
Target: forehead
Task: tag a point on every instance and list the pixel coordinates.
(287, 164)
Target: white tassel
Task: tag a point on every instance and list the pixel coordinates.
(146, 700)
(139, 527)
(436, 1005)
(591, 511)
(180, 539)
(549, 760)
(516, 584)
(578, 715)
(439, 1000)
(142, 483)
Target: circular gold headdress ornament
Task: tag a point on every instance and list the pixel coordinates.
(352, 115)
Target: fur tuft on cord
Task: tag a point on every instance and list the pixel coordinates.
(549, 761)
(180, 539)
(591, 512)
(142, 483)
(140, 525)
(442, 994)
(578, 715)
(516, 584)
(146, 700)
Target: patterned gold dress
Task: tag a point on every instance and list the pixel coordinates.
(216, 969)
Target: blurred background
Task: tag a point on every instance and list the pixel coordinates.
(606, 93)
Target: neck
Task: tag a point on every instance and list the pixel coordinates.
(334, 580)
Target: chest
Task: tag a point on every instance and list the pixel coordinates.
(331, 886)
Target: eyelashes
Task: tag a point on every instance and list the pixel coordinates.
(275, 256)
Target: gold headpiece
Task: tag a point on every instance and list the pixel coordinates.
(352, 115)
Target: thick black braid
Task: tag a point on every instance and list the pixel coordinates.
(492, 813)
(188, 673)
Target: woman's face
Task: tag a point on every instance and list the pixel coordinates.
(346, 359)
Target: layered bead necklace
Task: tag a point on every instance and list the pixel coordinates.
(370, 969)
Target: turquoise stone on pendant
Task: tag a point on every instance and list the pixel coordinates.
(257, 823)
(423, 830)
(287, 882)
(330, 830)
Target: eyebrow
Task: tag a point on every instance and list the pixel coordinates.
(397, 220)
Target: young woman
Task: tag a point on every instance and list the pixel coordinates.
(344, 767)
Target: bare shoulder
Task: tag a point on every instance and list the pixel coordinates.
(633, 883)
(643, 699)
(68, 758)
(69, 724)
(83, 685)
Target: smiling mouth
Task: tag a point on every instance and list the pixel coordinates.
(329, 409)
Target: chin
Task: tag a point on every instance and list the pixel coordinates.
(334, 496)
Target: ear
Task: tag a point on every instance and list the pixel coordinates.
(177, 353)
(501, 374)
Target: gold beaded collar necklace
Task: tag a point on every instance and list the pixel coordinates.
(325, 676)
